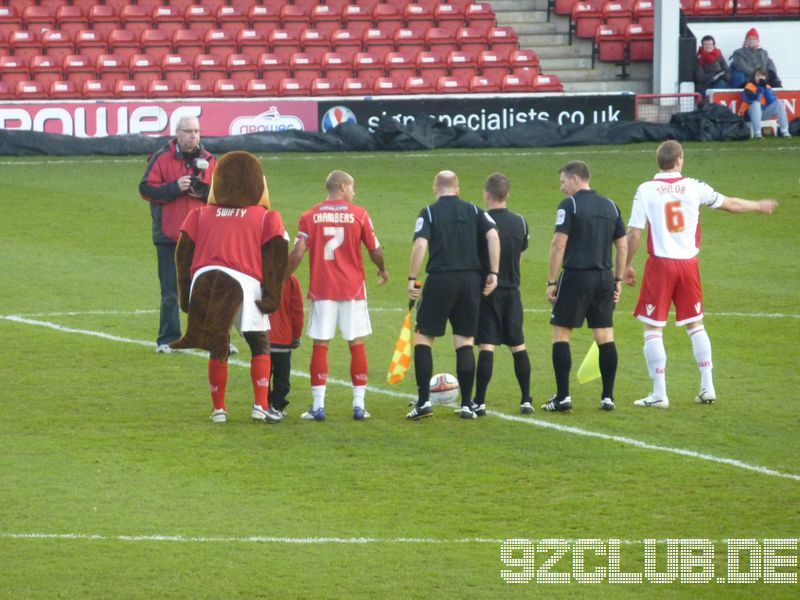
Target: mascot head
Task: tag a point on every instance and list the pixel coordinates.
(238, 181)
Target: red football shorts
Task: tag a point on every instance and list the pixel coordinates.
(666, 281)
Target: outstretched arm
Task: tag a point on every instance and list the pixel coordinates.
(739, 205)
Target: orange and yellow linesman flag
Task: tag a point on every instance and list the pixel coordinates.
(590, 367)
(403, 348)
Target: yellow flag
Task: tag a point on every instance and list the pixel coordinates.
(590, 367)
(401, 359)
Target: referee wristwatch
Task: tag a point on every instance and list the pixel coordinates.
(552, 283)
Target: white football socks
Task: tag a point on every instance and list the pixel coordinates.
(358, 395)
(318, 395)
(656, 357)
(701, 344)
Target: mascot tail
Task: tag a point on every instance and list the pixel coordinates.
(216, 296)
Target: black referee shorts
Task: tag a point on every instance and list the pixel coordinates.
(450, 296)
(500, 318)
(584, 294)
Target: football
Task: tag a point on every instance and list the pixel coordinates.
(444, 388)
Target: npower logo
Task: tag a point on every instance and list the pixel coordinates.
(270, 120)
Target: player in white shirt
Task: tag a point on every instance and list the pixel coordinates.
(669, 206)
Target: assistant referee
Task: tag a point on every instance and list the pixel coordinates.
(587, 226)
(451, 231)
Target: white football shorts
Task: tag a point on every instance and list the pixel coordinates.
(249, 317)
(352, 317)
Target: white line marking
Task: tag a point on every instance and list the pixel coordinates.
(528, 421)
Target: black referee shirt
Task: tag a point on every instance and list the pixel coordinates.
(513, 231)
(454, 230)
(592, 223)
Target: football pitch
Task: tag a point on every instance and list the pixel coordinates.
(114, 483)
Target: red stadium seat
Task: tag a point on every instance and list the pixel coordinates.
(493, 64)
(123, 42)
(452, 85)
(262, 88)
(304, 67)
(95, 88)
(127, 88)
(514, 83)
(91, 43)
(368, 66)
(523, 62)
(400, 64)
(586, 16)
(294, 18)
(71, 19)
(241, 67)
(63, 90)
(409, 37)
(36, 18)
(352, 86)
(230, 88)
(768, 8)
(346, 42)
(149, 4)
(189, 42)
(232, 19)
(77, 69)
(209, 67)
(336, 66)
(377, 41)
(180, 4)
(484, 84)
(200, 17)
(25, 44)
(273, 66)
(13, 69)
(438, 38)
(6, 93)
(161, 88)
(156, 42)
(644, 11)
(136, 18)
(338, 5)
(547, 83)
(449, 16)
(58, 44)
(169, 18)
(177, 67)
(462, 64)
(322, 86)
(357, 18)
(144, 68)
(742, 8)
(251, 42)
(111, 67)
(326, 18)
(431, 64)
(502, 39)
(640, 42)
(414, 12)
(197, 88)
(420, 84)
(103, 18)
(387, 17)
(388, 85)
(31, 90)
(617, 13)
(283, 42)
(219, 42)
(611, 43)
(471, 39)
(480, 15)
(293, 87)
(314, 41)
(10, 20)
(263, 17)
(116, 4)
(45, 69)
(708, 8)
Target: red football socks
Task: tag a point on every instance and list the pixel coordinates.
(319, 365)
(260, 367)
(358, 364)
(217, 382)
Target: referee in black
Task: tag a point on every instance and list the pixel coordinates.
(451, 231)
(587, 226)
(500, 316)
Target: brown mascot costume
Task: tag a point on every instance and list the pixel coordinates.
(231, 260)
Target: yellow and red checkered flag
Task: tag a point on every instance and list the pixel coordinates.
(403, 348)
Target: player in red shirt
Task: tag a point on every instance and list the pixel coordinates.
(669, 206)
(332, 232)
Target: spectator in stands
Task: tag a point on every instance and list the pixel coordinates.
(748, 58)
(177, 180)
(760, 102)
(712, 69)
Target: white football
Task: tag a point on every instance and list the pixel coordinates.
(444, 388)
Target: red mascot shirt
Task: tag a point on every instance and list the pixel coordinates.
(232, 237)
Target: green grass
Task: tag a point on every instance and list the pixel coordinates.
(102, 437)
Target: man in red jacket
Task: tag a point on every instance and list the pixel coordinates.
(177, 180)
(286, 326)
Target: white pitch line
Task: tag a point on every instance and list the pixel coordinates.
(516, 419)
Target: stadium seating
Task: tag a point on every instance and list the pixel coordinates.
(136, 18)
(241, 67)
(95, 88)
(127, 88)
(177, 67)
(644, 12)
(251, 42)
(103, 18)
(449, 16)
(586, 16)
(388, 85)
(462, 64)
(168, 18)
(420, 84)
(352, 86)
(484, 84)
(304, 67)
(45, 69)
(13, 69)
(409, 37)
(9, 21)
(31, 90)
(273, 67)
(431, 64)
(24, 43)
(314, 41)
(387, 17)
(232, 19)
(618, 13)
(294, 18)
(196, 88)
(71, 19)
(63, 90)
(471, 39)
(547, 83)
(36, 18)
(400, 64)
(57, 44)
(156, 42)
(325, 18)
(502, 39)
(209, 67)
(123, 42)
(262, 87)
(367, 67)
(377, 40)
(230, 88)
(283, 42)
(515, 84)
(189, 42)
(293, 87)
(322, 86)
(452, 84)
(356, 18)
(346, 42)
(161, 88)
(523, 62)
(336, 66)
(263, 17)
(418, 13)
(199, 17)
(740, 8)
(610, 43)
(219, 42)
(111, 67)
(640, 42)
(439, 38)
(493, 64)
(90, 43)
(769, 8)
(144, 68)
(78, 69)
(707, 8)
